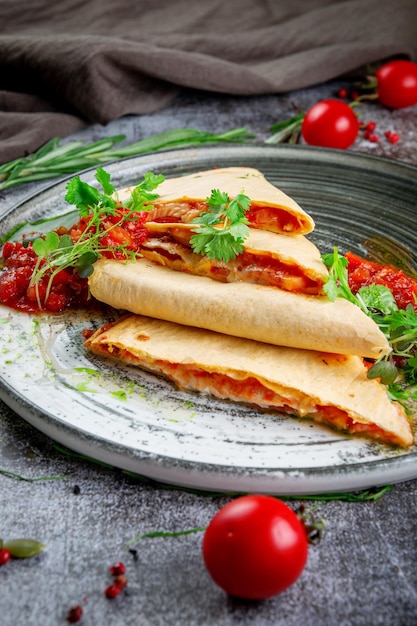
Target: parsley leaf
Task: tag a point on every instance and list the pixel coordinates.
(103, 177)
(221, 230)
(337, 284)
(378, 297)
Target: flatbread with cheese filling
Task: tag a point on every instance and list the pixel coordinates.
(290, 263)
(183, 198)
(257, 312)
(328, 388)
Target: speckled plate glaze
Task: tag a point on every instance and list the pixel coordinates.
(140, 422)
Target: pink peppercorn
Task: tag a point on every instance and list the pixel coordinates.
(75, 614)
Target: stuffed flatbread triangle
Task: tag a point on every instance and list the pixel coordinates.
(183, 198)
(331, 389)
(241, 309)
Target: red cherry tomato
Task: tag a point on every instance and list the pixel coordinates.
(5, 556)
(331, 124)
(397, 84)
(255, 547)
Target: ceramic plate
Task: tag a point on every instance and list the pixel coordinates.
(141, 423)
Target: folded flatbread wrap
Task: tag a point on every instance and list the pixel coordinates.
(290, 263)
(328, 388)
(241, 309)
(184, 198)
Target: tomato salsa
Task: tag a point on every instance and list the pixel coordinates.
(363, 272)
(16, 291)
(68, 290)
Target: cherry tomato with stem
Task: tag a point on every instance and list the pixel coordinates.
(255, 547)
(397, 84)
(330, 124)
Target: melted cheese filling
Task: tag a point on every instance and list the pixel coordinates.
(247, 267)
(252, 391)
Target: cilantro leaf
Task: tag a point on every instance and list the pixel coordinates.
(218, 198)
(378, 297)
(237, 209)
(142, 195)
(81, 194)
(85, 196)
(337, 283)
(103, 178)
(222, 230)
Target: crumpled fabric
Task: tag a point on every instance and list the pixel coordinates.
(67, 64)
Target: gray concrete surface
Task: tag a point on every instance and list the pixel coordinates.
(363, 573)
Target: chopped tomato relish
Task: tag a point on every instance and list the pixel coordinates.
(363, 272)
(68, 289)
(121, 236)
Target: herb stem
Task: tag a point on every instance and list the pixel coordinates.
(161, 533)
(30, 480)
(53, 159)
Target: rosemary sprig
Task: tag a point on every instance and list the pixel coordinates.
(287, 131)
(162, 533)
(54, 159)
(368, 495)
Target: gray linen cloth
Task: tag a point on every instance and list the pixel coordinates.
(70, 63)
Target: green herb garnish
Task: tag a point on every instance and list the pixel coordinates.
(337, 284)
(286, 131)
(377, 301)
(56, 253)
(162, 533)
(221, 230)
(53, 159)
(29, 480)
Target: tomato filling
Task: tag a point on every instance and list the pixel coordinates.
(251, 390)
(119, 235)
(266, 270)
(363, 272)
(261, 269)
(279, 219)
